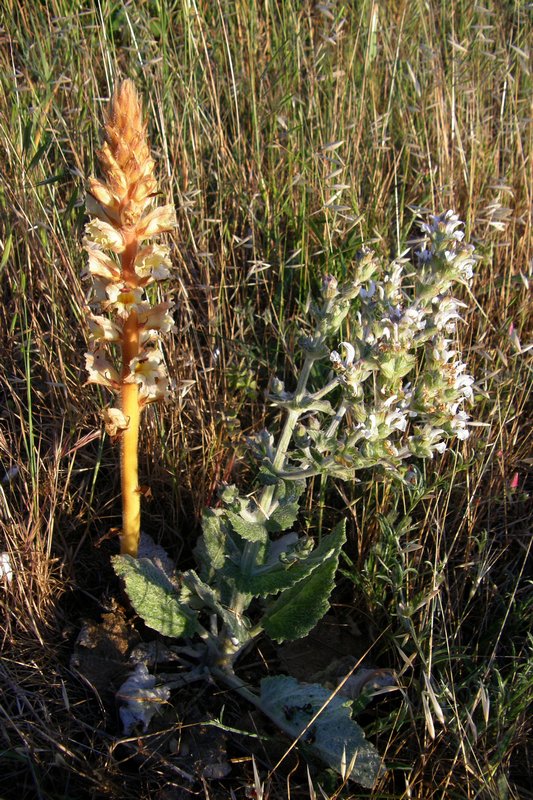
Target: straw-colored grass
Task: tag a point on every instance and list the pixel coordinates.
(286, 134)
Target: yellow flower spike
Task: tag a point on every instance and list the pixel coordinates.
(122, 220)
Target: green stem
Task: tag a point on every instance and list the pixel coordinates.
(231, 680)
(293, 415)
(341, 411)
(267, 498)
(318, 395)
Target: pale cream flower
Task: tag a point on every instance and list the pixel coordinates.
(98, 293)
(149, 371)
(157, 221)
(370, 430)
(157, 393)
(101, 234)
(146, 368)
(463, 382)
(338, 362)
(103, 329)
(157, 318)
(153, 263)
(124, 299)
(396, 420)
(100, 370)
(102, 266)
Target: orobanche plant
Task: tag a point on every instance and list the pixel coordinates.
(393, 392)
(125, 355)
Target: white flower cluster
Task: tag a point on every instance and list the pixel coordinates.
(124, 298)
(405, 385)
(445, 244)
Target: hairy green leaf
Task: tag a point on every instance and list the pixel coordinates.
(282, 575)
(282, 517)
(298, 609)
(323, 406)
(215, 535)
(153, 596)
(251, 531)
(236, 625)
(333, 736)
(267, 477)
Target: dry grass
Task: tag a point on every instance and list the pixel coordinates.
(286, 133)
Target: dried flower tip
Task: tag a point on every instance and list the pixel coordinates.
(125, 157)
(115, 420)
(101, 202)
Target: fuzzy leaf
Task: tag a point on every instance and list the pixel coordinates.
(284, 575)
(308, 403)
(282, 517)
(298, 609)
(323, 406)
(214, 538)
(266, 477)
(291, 491)
(334, 737)
(208, 595)
(154, 597)
(251, 531)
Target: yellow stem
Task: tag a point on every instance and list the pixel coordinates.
(131, 497)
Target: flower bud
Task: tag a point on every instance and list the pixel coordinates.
(277, 386)
(301, 437)
(329, 287)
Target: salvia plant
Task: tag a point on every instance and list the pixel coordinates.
(391, 392)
